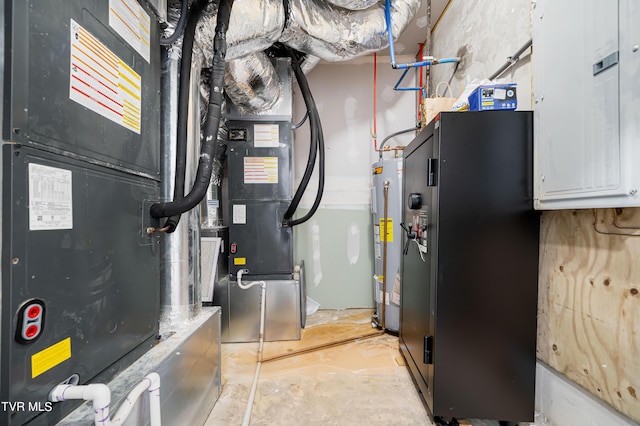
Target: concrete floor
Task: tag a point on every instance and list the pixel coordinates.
(361, 382)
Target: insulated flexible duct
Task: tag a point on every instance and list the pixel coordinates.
(254, 26)
(252, 83)
(211, 125)
(336, 34)
(353, 4)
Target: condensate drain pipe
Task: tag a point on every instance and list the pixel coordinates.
(256, 376)
(100, 397)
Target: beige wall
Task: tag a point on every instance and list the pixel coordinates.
(337, 243)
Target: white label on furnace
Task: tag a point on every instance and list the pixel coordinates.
(266, 136)
(50, 198)
(239, 214)
(260, 170)
(102, 82)
(132, 23)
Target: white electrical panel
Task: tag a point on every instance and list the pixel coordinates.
(587, 97)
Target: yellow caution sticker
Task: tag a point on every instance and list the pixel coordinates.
(389, 229)
(377, 170)
(240, 261)
(48, 358)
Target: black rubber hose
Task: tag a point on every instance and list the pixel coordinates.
(321, 166)
(183, 111)
(179, 26)
(313, 145)
(317, 141)
(212, 122)
(297, 126)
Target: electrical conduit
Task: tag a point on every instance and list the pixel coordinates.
(100, 397)
(256, 376)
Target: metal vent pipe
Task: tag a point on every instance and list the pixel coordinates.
(180, 251)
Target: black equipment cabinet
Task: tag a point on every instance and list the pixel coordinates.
(470, 269)
(80, 167)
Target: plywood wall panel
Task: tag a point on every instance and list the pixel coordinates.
(589, 303)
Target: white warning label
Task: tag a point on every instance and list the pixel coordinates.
(133, 24)
(102, 82)
(50, 198)
(239, 214)
(260, 169)
(266, 136)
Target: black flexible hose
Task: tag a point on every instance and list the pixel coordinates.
(297, 126)
(183, 110)
(317, 144)
(313, 145)
(321, 166)
(179, 26)
(210, 127)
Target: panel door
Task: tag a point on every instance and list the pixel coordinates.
(417, 287)
(576, 83)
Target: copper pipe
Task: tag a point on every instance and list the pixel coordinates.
(384, 255)
(323, 346)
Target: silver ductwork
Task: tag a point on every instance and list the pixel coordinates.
(354, 4)
(335, 34)
(318, 28)
(252, 83)
(323, 30)
(180, 250)
(254, 26)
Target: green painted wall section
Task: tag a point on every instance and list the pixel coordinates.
(337, 248)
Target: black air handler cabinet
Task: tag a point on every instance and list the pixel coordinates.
(468, 306)
(81, 109)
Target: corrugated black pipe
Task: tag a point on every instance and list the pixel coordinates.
(317, 144)
(212, 122)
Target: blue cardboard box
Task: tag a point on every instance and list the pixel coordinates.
(492, 97)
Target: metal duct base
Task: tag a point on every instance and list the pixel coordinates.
(188, 363)
(241, 309)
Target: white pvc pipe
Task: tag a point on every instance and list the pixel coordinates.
(100, 397)
(263, 307)
(98, 393)
(151, 382)
(254, 386)
(155, 412)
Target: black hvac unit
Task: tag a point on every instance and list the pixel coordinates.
(80, 167)
(470, 271)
